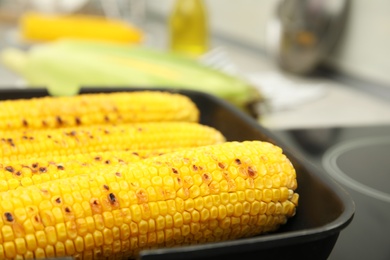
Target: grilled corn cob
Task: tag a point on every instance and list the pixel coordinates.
(89, 109)
(20, 144)
(205, 194)
(30, 171)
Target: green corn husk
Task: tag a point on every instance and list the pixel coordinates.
(66, 65)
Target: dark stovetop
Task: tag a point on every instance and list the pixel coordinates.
(358, 158)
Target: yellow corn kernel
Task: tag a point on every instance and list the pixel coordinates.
(98, 238)
(92, 109)
(20, 245)
(9, 249)
(59, 248)
(116, 233)
(107, 236)
(69, 247)
(169, 221)
(40, 253)
(50, 251)
(31, 241)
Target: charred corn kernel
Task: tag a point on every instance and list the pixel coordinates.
(92, 109)
(141, 136)
(118, 229)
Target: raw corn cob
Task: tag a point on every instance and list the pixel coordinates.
(78, 26)
(65, 66)
(36, 143)
(206, 194)
(90, 109)
(31, 171)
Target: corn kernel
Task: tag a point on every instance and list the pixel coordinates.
(60, 249)
(108, 237)
(124, 232)
(230, 209)
(47, 218)
(225, 223)
(151, 225)
(6, 205)
(51, 235)
(89, 242)
(186, 217)
(9, 249)
(134, 229)
(267, 195)
(20, 245)
(116, 248)
(160, 237)
(262, 220)
(28, 255)
(82, 226)
(142, 240)
(136, 213)
(116, 234)
(152, 239)
(224, 186)
(154, 210)
(108, 219)
(90, 224)
(214, 212)
(246, 207)
(134, 242)
(7, 233)
(168, 221)
(49, 251)
(160, 222)
(13, 184)
(204, 214)
(152, 194)
(263, 208)
(69, 247)
(98, 238)
(194, 191)
(198, 203)
(145, 211)
(61, 231)
(87, 255)
(143, 227)
(295, 198)
(86, 208)
(3, 185)
(39, 253)
(178, 220)
(31, 241)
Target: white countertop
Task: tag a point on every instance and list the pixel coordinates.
(341, 103)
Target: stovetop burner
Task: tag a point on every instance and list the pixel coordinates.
(362, 165)
(358, 158)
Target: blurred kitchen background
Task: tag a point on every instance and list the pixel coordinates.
(321, 69)
(253, 39)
